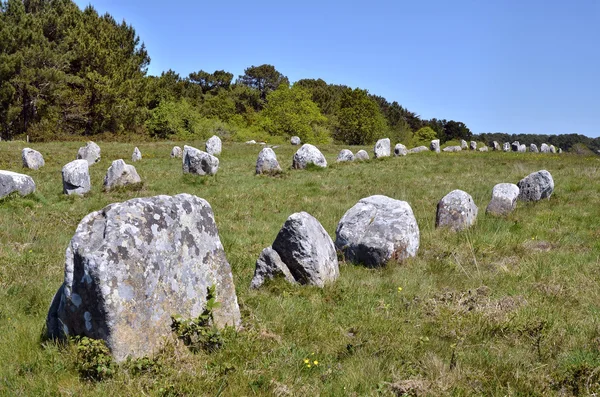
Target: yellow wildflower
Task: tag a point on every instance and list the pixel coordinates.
(306, 361)
(315, 362)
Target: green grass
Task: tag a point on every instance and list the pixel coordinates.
(509, 307)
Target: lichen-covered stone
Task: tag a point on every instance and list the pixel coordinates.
(533, 148)
(452, 149)
(267, 163)
(214, 145)
(295, 141)
(496, 146)
(382, 148)
(378, 229)
(522, 148)
(463, 144)
(308, 154)
(251, 142)
(516, 146)
(136, 155)
(120, 174)
(552, 149)
(196, 161)
(536, 186)
(506, 147)
(473, 145)
(456, 210)
(345, 155)
(132, 265)
(362, 155)
(14, 182)
(32, 159)
(419, 149)
(545, 148)
(90, 152)
(269, 266)
(400, 150)
(307, 250)
(176, 152)
(504, 199)
(483, 149)
(76, 177)
(435, 145)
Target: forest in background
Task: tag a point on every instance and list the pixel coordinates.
(67, 73)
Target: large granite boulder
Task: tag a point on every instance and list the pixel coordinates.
(362, 155)
(400, 150)
(533, 148)
(483, 149)
(376, 230)
(382, 148)
(515, 146)
(452, 149)
(269, 266)
(506, 147)
(345, 155)
(504, 199)
(552, 149)
(307, 250)
(545, 148)
(120, 174)
(308, 154)
(76, 177)
(456, 210)
(267, 163)
(435, 145)
(473, 145)
(90, 152)
(14, 182)
(419, 149)
(32, 159)
(196, 161)
(133, 265)
(295, 141)
(496, 146)
(213, 145)
(522, 148)
(176, 152)
(136, 155)
(536, 186)
(463, 144)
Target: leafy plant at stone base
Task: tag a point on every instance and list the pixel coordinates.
(94, 361)
(199, 333)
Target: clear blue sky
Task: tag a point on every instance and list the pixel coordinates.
(515, 66)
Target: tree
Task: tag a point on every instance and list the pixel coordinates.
(425, 134)
(359, 119)
(264, 78)
(456, 130)
(212, 82)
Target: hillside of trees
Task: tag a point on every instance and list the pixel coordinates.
(67, 72)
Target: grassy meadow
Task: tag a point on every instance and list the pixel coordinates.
(509, 307)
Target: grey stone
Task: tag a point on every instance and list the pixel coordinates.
(295, 141)
(345, 155)
(137, 155)
(536, 186)
(90, 152)
(120, 174)
(419, 149)
(308, 154)
(269, 266)
(362, 155)
(533, 148)
(76, 177)
(176, 152)
(435, 145)
(496, 146)
(483, 149)
(452, 149)
(504, 199)
(376, 230)
(267, 163)
(213, 146)
(14, 182)
(522, 148)
(545, 148)
(196, 161)
(400, 150)
(456, 210)
(132, 265)
(463, 144)
(515, 146)
(552, 149)
(32, 159)
(307, 250)
(560, 150)
(473, 145)
(506, 147)
(251, 142)
(382, 148)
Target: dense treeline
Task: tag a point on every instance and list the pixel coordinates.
(68, 72)
(575, 142)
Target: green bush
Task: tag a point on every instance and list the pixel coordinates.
(94, 361)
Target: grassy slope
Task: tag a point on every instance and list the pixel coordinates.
(510, 307)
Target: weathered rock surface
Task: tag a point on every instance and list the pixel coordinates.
(522, 148)
(419, 149)
(552, 149)
(295, 141)
(362, 155)
(483, 149)
(14, 182)
(251, 142)
(269, 266)
(463, 144)
(400, 150)
(536, 186)
(76, 177)
(545, 148)
(345, 155)
(120, 174)
(196, 161)
(267, 163)
(506, 147)
(137, 155)
(307, 250)
(132, 265)
(308, 154)
(90, 152)
(382, 148)
(496, 146)
(473, 145)
(515, 146)
(452, 149)
(435, 145)
(504, 199)
(32, 159)
(533, 148)
(214, 145)
(176, 152)
(559, 150)
(456, 210)
(378, 229)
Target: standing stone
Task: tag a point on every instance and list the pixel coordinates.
(515, 146)
(400, 150)
(137, 155)
(14, 182)
(295, 141)
(559, 150)
(504, 199)
(419, 149)
(544, 148)
(120, 174)
(456, 210)
(32, 159)
(552, 149)
(382, 148)
(176, 152)
(533, 148)
(90, 152)
(196, 161)
(463, 144)
(522, 148)
(473, 145)
(308, 154)
(133, 265)
(496, 146)
(307, 250)
(452, 149)
(435, 145)
(214, 145)
(267, 162)
(536, 186)
(506, 147)
(483, 149)
(378, 229)
(345, 155)
(76, 177)
(269, 266)
(362, 155)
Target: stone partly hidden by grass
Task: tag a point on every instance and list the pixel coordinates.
(509, 306)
